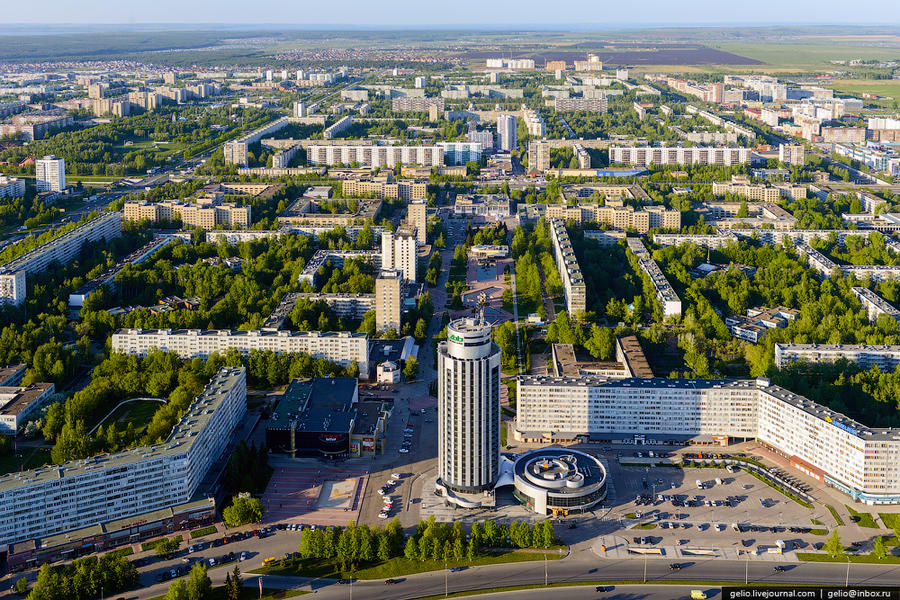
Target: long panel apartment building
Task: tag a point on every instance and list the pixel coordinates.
(341, 347)
(858, 460)
(375, 156)
(236, 150)
(668, 299)
(874, 304)
(60, 250)
(595, 105)
(55, 499)
(567, 265)
(886, 358)
(678, 155)
(416, 104)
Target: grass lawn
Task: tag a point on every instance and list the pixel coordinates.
(816, 522)
(33, 458)
(891, 520)
(864, 558)
(203, 531)
(645, 526)
(251, 593)
(835, 514)
(882, 87)
(503, 434)
(818, 531)
(152, 543)
(862, 519)
(138, 413)
(397, 567)
(801, 55)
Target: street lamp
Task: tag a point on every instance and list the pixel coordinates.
(645, 568)
(847, 579)
(446, 580)
(546, 575)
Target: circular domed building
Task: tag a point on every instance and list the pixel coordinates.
(559, 481)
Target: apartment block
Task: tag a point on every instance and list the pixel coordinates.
(92, 491)
(759, 193)
(460, 153)
(205, 213)
(596, 105)
(886, 358)
(336, 258)
(388, 300)
(11, 187)
(236, 150)
(665, 294)
(50, 174)
(874, 304)
(351, 306)
(384, 187)
(678, 155)
(857, 460)
(417, 217)
(567, 264)
(534, 122)
(507, 132)
(539, 156)
(339, 127)
(375, 156)
(400, 251)
(339, 347)
(61, 249)
(416, 104)
(792, 154)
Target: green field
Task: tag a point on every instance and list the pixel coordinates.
(138, 413)
(801, 55)
(33, 457)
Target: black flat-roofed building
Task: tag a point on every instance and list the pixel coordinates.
(318, 417)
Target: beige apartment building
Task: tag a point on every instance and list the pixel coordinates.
(618, 216)
(206, 213)
(539, 156)
(388, 300)
(384, 187)
(417, 216)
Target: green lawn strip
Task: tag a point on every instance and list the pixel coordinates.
(503, 434)
(397, 567)
(777, 487)
(816, 522)
(126, 551)
(835, 514)
(645, 526)
(696, 583)
(203, 531)
(890, 520)
(863, 558)
(251, 593)
(862, 519)
(152, 543)
(631, 515)
(818, 531)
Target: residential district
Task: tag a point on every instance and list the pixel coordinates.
(337, 322)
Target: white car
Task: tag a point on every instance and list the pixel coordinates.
(395, 475)
(403, 451)
(382, 515)
(381, 492)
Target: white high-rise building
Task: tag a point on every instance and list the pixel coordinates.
(50, 174)
(506, 132)
(299, 109)
(399, 251)
(468, 377)
(420, 82)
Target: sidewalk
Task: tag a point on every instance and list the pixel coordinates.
(619, 547)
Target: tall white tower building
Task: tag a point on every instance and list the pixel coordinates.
(468, 375)
(506, 132)
(50, 174)
(398, 251)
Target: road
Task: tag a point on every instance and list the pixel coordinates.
(567, 570)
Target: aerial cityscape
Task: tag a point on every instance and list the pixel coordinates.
(430, 304)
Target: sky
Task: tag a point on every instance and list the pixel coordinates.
(442, 13)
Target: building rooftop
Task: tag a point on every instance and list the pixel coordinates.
(320, 404)
(14, 400)
(191, 423)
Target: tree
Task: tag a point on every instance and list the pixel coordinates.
(879, 549)
(234, 592)
(178, 590)
(411, 551)
(243, 511)
(168, 547)
(22, 586)
(199, 586)
(411, 369)
(384, 547)
(833, 545)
